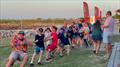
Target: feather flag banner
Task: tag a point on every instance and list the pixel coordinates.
(86, 12)
(100, 14)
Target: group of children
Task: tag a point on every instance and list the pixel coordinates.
(55, 40)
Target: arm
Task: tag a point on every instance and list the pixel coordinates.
(29, 42)
(36, 39)
(50, 38)
(106, 24)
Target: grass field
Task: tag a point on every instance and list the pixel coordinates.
(79, 57)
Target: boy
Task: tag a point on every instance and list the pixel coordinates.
(39, 46)
(54, 43)
(64, 41)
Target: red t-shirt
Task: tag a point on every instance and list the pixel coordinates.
(54, 38)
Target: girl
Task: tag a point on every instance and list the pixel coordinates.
(74, 36)
(97, 36)
(80, 32)
(86, 34)
(47, 35)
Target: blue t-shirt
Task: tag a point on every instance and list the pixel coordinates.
(63, 38)
(80, 25)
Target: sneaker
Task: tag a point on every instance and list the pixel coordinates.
(94, 51)
(48, 60)
(39, 63)
(73, 46)
(31, 64)
(106, 57)
(52, 55)
(61, 55)
(96, 54)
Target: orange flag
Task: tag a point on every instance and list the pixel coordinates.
(86, 12)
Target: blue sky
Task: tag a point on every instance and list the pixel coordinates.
(27, 9)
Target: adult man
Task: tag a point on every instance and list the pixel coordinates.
(108, 29)
(19, 45)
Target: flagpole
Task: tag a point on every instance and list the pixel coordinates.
(21, 24)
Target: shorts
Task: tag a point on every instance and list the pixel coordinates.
(106, 38)
(15, 55)
(51, 47)
(63, 45)
(74, 36)
(37, 49)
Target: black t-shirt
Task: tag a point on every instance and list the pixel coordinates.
(40, 39)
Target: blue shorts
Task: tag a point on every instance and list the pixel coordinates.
(106, 38)
(37, 49)
(62, 45)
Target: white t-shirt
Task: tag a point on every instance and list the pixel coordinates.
(47, 35)
(110, 23)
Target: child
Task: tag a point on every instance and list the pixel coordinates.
(74, 36)
(80, 32)
(81, 36)
(64, 41)
(39, 46)
(47, 35)
(19, 45)
(70, 34)
(97, 36)
(86, 34)
(50, 48)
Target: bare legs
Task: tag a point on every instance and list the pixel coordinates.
(10, 62)
(25, 59)
(40, 57)
(108, 49)
(96, 46)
